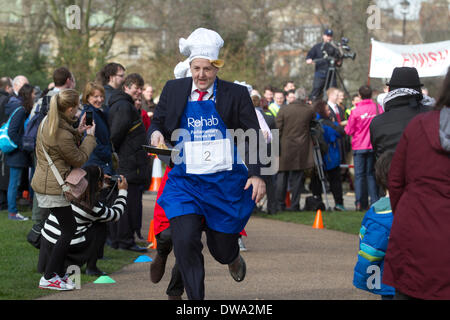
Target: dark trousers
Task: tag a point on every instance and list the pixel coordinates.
(79, 254)
(98, 243)
(272, 206)
(294, 179)
(68, 226)
(334, 178)
(318, 87)
(121, 233)
(3, 200)
(164, 247)
(365, 184)
(187, 243)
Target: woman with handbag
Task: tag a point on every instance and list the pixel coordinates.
(59, 146)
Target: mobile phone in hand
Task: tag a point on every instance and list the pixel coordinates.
(89, 118)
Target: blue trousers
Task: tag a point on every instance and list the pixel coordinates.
(365, 184)
(14, 182)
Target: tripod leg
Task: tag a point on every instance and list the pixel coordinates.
(342, 83)
(319, 165)
(330, 75)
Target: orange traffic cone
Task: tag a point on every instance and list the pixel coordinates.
(156, 175)
(151, 236)
(318, 221)
(287, 201)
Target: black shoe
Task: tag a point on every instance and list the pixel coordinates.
(95, 272)
(238, 269)
(135, 248)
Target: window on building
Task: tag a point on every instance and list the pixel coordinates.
(133, 51)
(44, 49)
(311, 35)
(301, 36)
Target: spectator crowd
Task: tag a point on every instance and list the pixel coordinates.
(352, 136)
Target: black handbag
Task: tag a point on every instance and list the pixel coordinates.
(34, 236)
(313, 204)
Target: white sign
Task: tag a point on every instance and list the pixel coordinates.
(204, 157)
(430, 59)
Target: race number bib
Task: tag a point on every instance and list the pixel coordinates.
(203, 157)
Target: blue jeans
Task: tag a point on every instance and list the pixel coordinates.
(365, 184)
(14, 182)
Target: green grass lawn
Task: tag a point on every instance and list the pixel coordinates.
(348, 221)
(19, 278)
(18, 259)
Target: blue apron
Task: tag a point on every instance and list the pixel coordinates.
(211, 178)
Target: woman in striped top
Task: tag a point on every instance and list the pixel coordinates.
(90, 216)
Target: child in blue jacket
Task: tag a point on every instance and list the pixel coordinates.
(374, 236)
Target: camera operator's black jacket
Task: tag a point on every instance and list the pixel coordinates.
(127, 136)
(316, 52)
(387, 128)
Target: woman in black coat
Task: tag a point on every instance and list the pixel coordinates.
(93, 98)
(18, 160)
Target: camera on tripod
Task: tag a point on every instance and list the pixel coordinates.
(343, 52)
(344, 49)
(314, 127)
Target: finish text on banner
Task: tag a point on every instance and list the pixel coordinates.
(430, 59)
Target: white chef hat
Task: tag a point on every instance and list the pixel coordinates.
(182, 69)
(202, 43)
(249, 87)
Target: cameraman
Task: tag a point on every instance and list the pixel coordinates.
(322, 61)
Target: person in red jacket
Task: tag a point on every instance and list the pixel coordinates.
(417, 258)
(145, 118)
(164, 246)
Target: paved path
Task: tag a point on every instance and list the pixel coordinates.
(285, 261)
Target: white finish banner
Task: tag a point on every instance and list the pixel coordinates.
(430, 59)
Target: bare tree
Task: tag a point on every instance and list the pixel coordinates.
(80, 49)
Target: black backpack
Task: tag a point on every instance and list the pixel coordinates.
(30, 133)
(313, 204)
(317, 133)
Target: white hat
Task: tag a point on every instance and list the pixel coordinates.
(182, 70)
(202, 43)
(249, 87)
